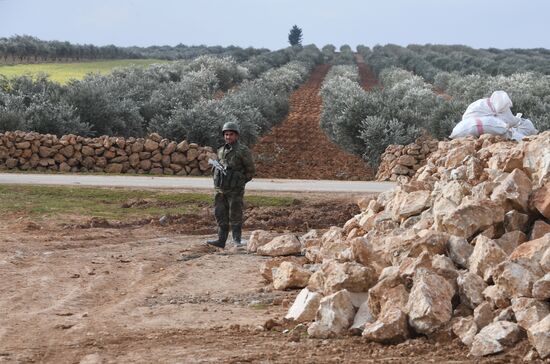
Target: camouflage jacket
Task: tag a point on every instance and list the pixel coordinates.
(239, 165)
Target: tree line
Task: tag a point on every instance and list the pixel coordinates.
(29, 49)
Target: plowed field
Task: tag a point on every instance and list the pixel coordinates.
(298, 148)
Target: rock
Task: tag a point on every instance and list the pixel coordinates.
(514, 278)
(267, 267)
(541, 200)
(334, 316)
(459, 250)
(506, 314)
(511, 240)
(362, 317)
(502, 332)
(305, 306)
(470, 288)
(539, 337)
(529, 311)
(497, 296)
(540, 228)
(410, 204)
(257, 239)
(515, 220)
(486, 255)
(429, 305)
(541, 288)
(469, 218)
(391, 327)
(287, 244)
(483, 315)
(351, 276)
(536, 159)
(530, 254)
(514, 191)
(465, 328)
(290, 275)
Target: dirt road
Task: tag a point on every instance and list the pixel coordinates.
(146, 294)
(257, 184)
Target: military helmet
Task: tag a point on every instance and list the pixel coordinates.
(231, 126)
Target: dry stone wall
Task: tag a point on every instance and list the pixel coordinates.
(72, 153)
(400, 162)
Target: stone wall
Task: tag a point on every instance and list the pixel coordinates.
(72, 153)
(400, 162)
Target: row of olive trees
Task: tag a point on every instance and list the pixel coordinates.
(428, 60)
(366, 122)
(25, 48)
(134, 101)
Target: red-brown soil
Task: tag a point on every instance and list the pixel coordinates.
(149, 294)
(298, 148)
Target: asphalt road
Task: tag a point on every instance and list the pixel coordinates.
(282, 185)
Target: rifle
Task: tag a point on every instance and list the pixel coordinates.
(216, 165)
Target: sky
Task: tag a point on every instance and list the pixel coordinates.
(266, 23)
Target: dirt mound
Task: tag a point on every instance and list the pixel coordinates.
(298, 148)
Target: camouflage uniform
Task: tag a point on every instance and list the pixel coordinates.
(228, 201)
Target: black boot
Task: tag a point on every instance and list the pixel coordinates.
(223, 231)
(236, 232)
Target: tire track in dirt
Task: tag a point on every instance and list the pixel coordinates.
(298, 148)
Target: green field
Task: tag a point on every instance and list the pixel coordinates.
(63, 72)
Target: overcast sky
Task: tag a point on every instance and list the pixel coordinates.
(266, 23)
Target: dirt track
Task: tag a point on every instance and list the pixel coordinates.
(147, 294)
(298, 148)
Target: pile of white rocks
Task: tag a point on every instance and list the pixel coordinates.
(462, 250)
(72, 153)
(400, 162)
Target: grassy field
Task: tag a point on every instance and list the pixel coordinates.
(110, 203)
(63, 72)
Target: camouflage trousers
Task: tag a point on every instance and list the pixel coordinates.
(228, 207)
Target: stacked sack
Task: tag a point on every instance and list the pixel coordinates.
(493, 116)
(462, 250)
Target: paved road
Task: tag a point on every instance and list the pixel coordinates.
(283, 185)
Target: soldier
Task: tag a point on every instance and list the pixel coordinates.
(229, 183)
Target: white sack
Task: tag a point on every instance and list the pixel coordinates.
(524, 128)
(481, 125)
(497, 105)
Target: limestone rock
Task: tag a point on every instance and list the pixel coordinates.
(391, 327)
(334, 316)
(459, 250)
(362, 317)
(539, 336)
(470, 288)
(486, 255)
(287, 244)
(257, 239)
(541, 200)
(541, 288)
(429, 305)
(469, 217)
(305, 306)
(514, 191)
(483, 315)
(494, 337)
(267, 267)
(540, 228)
(529, 311)
(290, 275)
(514, 278)
(465, 328)
(352, 276)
